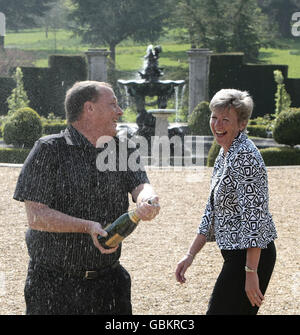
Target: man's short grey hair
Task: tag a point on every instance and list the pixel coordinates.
(80, 93)
(241, 101)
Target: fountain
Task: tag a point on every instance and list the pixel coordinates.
(165, 145)
(151, 86)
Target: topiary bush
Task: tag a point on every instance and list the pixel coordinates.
(18, 98)
(22, 128)
(282, 98)
(199, 120)
(213, 153)
(287, 127)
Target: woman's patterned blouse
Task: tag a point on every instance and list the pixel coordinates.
(237, 212)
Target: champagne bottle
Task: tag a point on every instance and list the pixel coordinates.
(121, 228)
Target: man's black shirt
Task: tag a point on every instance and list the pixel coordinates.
(61, 173)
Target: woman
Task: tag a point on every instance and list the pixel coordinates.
(237, 214)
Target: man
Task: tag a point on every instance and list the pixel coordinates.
(69, 201)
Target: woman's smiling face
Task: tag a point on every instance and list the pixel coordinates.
(225, 126)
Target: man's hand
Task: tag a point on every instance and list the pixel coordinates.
(94, 230)
(147, 202)
(148, 208)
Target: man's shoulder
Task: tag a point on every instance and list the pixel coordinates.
(53, 138)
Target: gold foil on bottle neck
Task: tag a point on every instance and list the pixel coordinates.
(133, 217)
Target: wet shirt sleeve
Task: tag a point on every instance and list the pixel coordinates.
(136, 178)
(37, 178)
(136, 174)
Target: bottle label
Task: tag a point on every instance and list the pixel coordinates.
(114, 240)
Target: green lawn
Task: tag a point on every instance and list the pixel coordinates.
(60, 42)
(130, 56)
(285, 56)
(34, 39)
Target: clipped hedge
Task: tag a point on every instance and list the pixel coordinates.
(53, 127)
(273, 156)
(281, 156)
(293, 88)
(69, 67)
(13, 155)
(46, 87)
(257, 130)
(224, 71)
(64, 71)
(228, 70)
(38, 86)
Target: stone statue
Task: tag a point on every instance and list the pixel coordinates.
(152, 71)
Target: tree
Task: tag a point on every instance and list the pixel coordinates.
(188, 15)
(218, 20)
(280, 13)
(55, 17)
(222, 25)
(110, 22)
(247, 36)
(22, 13)
(208, 22)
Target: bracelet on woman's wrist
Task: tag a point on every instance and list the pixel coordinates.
(247, 269)
(189, 254)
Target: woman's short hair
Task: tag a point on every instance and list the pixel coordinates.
(80, 93)
(241, 101)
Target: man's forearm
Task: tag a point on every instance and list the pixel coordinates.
(41, 217)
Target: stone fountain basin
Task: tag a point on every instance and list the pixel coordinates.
(151, 88)
(162, 112)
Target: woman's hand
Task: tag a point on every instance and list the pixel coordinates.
(252, 282)
(182, 266)
(197, 244)
(252, 289)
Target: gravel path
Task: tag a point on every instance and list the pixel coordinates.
(152, 252)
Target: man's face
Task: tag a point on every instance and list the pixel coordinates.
(105, 113)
